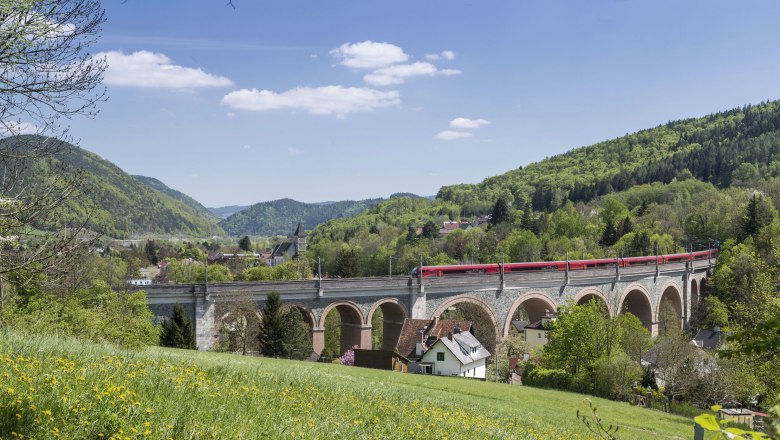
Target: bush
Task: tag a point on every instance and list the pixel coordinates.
(544, 378)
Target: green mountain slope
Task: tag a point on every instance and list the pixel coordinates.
(279, 217)
(113, 202)
(712, 148)
(178, 195)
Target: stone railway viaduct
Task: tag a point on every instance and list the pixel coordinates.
(639, 290)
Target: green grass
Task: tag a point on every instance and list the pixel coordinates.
(52, 387)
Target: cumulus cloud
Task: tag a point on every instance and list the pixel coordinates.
(369, 55)
(450, 135)
(398, 73)
(149, 69)
(328, 100)
(468, 124)
(445, 55)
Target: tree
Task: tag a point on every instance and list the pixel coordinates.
(271, 334)
(46, 75)
(297, 335)
(347, 263)
(240, 325)
(282, 330)
(430, 230)
(245, 244)
(500, 212)
(758, 213)
(635, 339)
(177, 332)
(151, 250)
(578, 337)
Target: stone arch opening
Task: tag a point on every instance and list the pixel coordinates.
(484, 325)
(238, 326)
(670, 309)
(694, 294)
(343, 329)
(386, 319)
(637, 302)
(587, 295)
(529, 307)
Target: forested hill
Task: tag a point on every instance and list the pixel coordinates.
(114, 202)
(178, 195)
(719, 148)
(279, 217)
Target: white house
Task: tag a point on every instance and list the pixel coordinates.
(458, 354)
(139, 282)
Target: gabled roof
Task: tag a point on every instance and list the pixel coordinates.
(460, 345)
(432, 330)
(300, 231)
(708, 339)
(281, 249)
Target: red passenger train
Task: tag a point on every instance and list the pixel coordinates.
(467, 269)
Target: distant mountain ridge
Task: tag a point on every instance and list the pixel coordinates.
(224, 212)
(114, 202)
(279, 217)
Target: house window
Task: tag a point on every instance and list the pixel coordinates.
(440, 356)
(540, 335)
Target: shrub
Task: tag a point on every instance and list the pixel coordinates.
(544, 378)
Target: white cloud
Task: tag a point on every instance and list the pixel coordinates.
(313, 55)
(329, 100)
(445, 54)
(450, 135)
(398, 73)
(148, 69)
(17, 128)
(369, 55)
(468, 124)
(246, 147)
(231, 115)
(292, 151)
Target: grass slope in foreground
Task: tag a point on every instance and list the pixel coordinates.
(63, 388)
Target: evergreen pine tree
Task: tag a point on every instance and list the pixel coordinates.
(151, 250)
(430, 230)
(271, 334)
(609, 237)
(626, 226)
(526, 222)
(177, 331)
(347, 264)
(297, 339)
(245, 244)
(500, 212)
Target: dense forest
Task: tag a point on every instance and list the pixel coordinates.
(721, 148)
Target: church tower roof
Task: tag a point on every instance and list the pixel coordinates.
(300, 231)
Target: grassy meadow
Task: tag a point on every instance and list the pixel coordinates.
(56, 388)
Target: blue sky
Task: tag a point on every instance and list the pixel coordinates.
(343, 100)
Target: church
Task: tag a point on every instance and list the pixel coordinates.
(290, 248)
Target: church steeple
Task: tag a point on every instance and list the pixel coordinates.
(299, 238)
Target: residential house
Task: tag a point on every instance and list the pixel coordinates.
(534, 334)
(457, 354)
(708, 339)
(417, 335)
(381, 359)
(289, 249)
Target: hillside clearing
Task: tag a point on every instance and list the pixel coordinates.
(53, 387)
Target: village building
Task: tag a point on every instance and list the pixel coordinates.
(457, 354)
(287, 250)
(441, 347)
(535, 335)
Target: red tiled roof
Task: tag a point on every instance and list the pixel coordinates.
(410, 333)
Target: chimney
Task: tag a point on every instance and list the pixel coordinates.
(456, 330)
(418, 349)
(449, 335)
